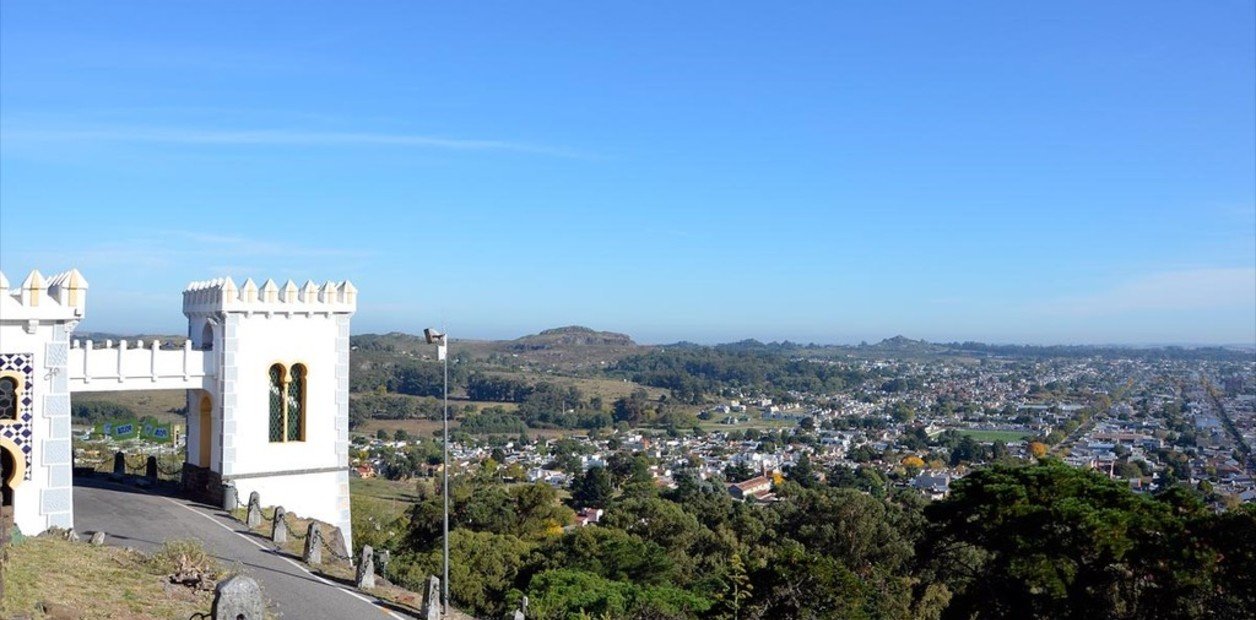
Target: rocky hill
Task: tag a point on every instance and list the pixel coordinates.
(571, 336)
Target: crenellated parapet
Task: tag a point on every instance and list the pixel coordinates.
(122, 365)
(62, 297)
(222, 295)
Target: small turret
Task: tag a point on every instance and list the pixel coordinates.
(58, 298)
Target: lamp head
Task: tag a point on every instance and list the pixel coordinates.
(433, 336)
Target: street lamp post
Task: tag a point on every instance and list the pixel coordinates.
(438, 339)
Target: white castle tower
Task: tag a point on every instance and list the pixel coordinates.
(266, 373)
(36, 319)
(275, 419)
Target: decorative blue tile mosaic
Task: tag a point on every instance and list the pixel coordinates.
(20, 432)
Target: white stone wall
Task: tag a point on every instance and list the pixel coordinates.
(45, 498)
(36, 319)
(260, 342)
(253, 329)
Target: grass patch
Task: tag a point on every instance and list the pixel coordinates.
(385, 489)
(754, 422)
(99, 582)
(992, 436)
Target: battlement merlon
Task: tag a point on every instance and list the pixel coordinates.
(222, 295)
(62, 297)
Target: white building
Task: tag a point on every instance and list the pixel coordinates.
(266, 371)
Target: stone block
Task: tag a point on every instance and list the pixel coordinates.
(238, 598)
(60, 428)
(57, 452)
(56, 500)
(60, 477)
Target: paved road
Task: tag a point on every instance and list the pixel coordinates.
(143, 521)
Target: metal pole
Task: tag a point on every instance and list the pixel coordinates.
(445, 474)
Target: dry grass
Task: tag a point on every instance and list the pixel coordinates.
(99, 582)
(608, 389)
(416, 428)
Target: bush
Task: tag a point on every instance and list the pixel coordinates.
(182, 556)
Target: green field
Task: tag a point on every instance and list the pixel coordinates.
(1005, 436)
(755, 422)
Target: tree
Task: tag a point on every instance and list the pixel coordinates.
(381, 434)
(482, 569)
(593, 488)
(401, 435)
(1053, 541)
(1037, 449)
(802, 472)
(738, 472)
(903, 413)
(632, 409)
(738, 588)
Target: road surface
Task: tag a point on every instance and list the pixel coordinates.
(134, 518)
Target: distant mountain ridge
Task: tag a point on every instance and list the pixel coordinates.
(575, 346)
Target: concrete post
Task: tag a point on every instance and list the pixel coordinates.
(229, 499)
(253, 518)
(150, 469)
(119, 466)
(313, 545)
(279, 527)
(366, 569)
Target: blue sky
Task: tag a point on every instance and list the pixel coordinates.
(708, 171)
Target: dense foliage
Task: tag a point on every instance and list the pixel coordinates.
(691, 372)
(391, 407)
(1035, 541)
(93, 412)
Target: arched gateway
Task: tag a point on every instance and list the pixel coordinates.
(285, 438)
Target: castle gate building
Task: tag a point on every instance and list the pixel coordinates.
(265, 369)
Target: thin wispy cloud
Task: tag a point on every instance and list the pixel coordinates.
(273, 138)
(1181, 290)
(149, 250)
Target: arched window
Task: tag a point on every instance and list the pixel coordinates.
(8, 398)
(277, 377)
(296, 404)
(287, 403)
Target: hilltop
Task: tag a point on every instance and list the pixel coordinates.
(572, 336)
(571, 349)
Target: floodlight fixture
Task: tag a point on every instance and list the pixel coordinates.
(434, 337)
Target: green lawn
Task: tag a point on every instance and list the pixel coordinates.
(755, 422)
(1005, 436)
